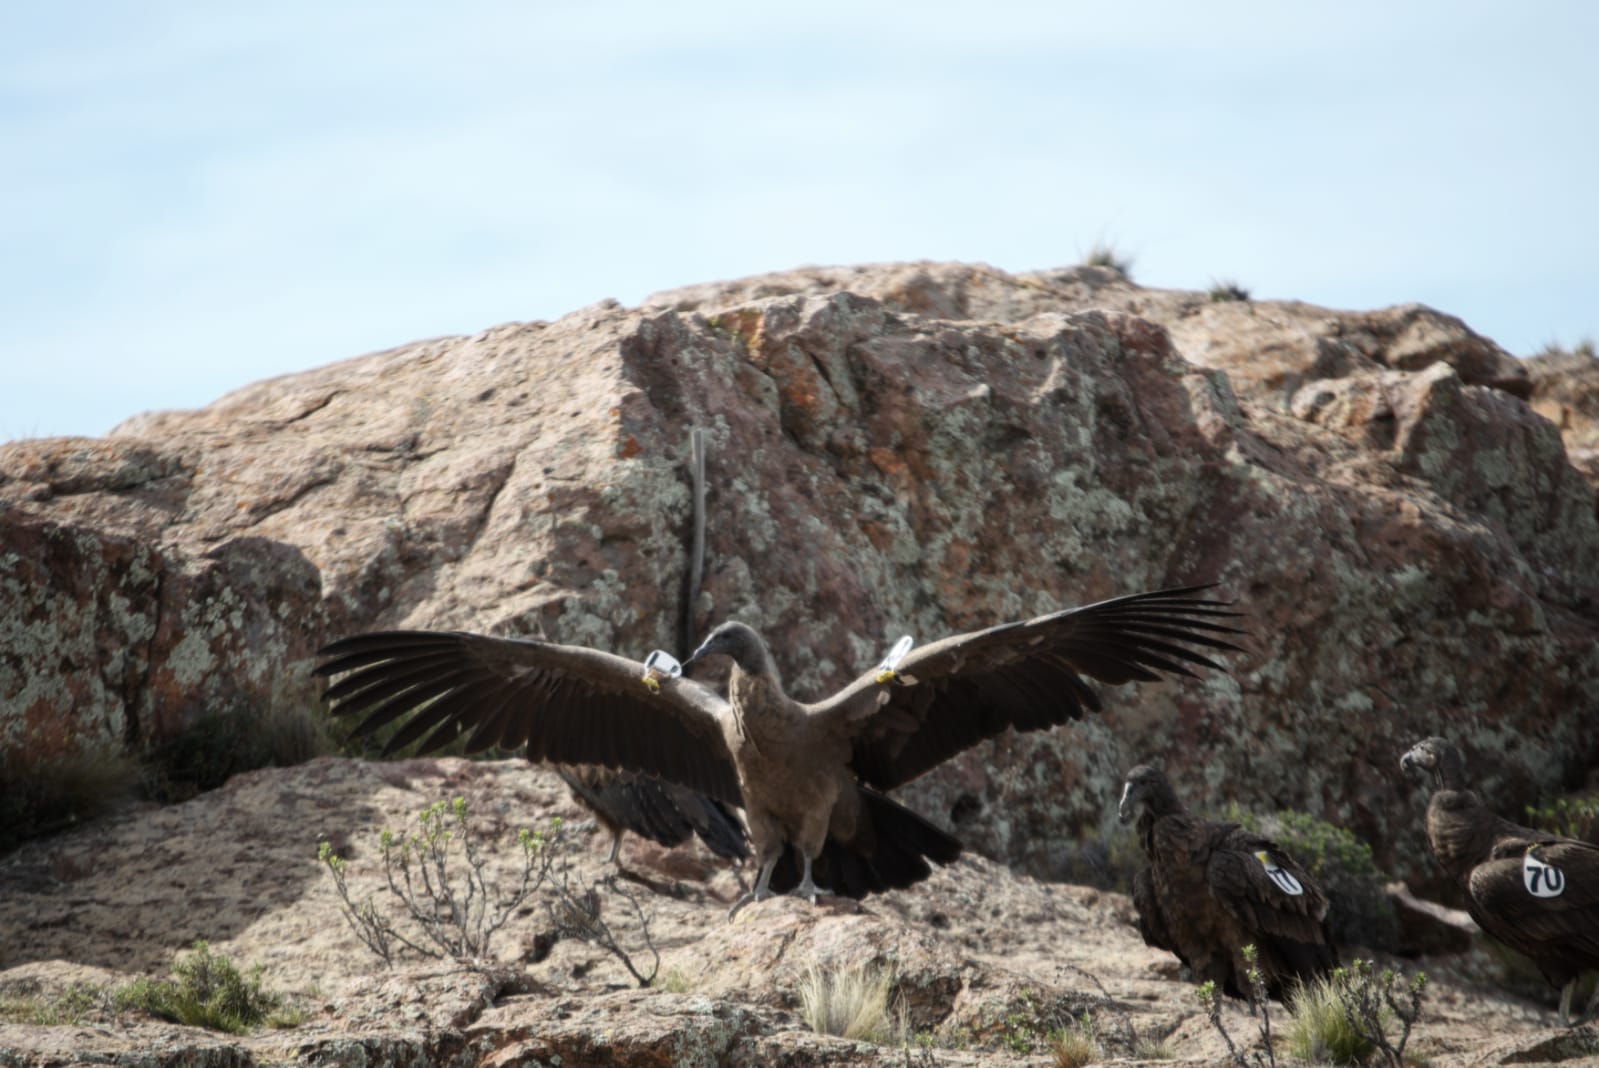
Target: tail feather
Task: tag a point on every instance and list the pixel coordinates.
(905, 842)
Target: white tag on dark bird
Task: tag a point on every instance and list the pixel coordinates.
(1285, 882)
(662, 665)
(1541, 879)
(896, 654)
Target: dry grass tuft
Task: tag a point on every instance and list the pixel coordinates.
(853, 1002)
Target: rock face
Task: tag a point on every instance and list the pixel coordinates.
(985, 963)
(914, 448)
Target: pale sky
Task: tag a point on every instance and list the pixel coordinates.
(196, 195)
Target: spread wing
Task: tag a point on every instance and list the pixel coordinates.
(1028, 675)
(1561, 929)
(566, 704)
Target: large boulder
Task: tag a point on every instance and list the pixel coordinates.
(912, 448)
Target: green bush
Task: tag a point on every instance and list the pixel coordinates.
(207, 990)
(1573, 817)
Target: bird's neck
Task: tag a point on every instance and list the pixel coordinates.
(1459, 834)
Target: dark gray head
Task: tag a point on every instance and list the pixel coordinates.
(1438, 759)
(737, 641)
(1147, 789)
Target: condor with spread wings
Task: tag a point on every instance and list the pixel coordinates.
(807, 775)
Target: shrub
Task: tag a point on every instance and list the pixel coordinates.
(444, 905)
(207, 990)
(1573, 817)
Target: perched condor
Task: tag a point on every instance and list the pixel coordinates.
(1536, 892)
(809, 777)
(1213, 888)
(663, 812)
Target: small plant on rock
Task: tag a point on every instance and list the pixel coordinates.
(853, 1002)
(208, 990)
(1104, 254)
(1076, 1045)
(1227, 291)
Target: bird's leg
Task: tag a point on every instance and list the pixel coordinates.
(616, 848)
(1593, 1003)
(1565, 1002)
(762, 889)
(806, 888)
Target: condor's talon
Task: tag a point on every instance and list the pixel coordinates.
(886, 677)
(651, 683)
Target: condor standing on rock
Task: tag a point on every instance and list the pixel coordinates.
(805, 775)
(1536, 892)
(1213, 888)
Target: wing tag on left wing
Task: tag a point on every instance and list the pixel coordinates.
(885, 671)
(1541, 878)
(657, 666)
(1275, 872)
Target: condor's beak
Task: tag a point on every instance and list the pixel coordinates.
(705, 649)
(1126, 809)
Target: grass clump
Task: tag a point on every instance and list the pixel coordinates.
(208, 990)
(1104, 254)
(1347, 1017)
(853, 1002)
(1226, 291)
(71, 1007)
(1075, 1045)
(44, 793)
(673, 982)
(217, 747)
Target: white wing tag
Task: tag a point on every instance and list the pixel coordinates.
(885, 670)
(660, 665)
(1285, 882)
(1541, 879)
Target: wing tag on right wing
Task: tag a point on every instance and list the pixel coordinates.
(1285, 882)
(885, 671)
(1541, 878)
(657, 666)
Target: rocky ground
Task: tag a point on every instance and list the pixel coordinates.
(987, 962)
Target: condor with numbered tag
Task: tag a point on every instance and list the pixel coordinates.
(1285, 882)
(1541, 878)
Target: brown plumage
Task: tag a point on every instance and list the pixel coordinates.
(806, 775)
(1536, 892)
(663, 812)
(1213, 888)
